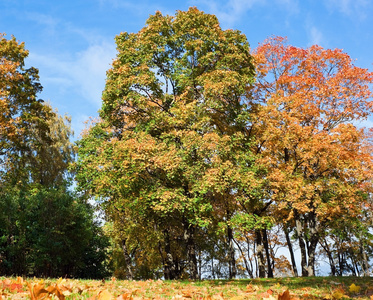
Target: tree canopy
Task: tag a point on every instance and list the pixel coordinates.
(201, 141)
(207, 158)
(45, 228)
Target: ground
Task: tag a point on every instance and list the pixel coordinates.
(278, 288)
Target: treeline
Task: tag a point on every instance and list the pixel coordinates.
(208, 157)
(209, 160)
(46, 229)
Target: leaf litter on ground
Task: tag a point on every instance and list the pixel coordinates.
(315, 288)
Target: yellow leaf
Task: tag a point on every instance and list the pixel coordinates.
(61, 280)
(354, 288)
(105, 295)
(338, 294)
(20, 280)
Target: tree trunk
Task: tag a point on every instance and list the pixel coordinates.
(191, 250)
(248, 254)
(312, 242)
(291, 251)
(249, 271)
(365, 261)
(232, 259)
(312, 254)
(127, 259)
(268, 257)
(259, 254)
(169, 267)
(302, 246)
(200, 260)
(329, 254)
(340, 263)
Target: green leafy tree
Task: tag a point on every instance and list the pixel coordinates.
(22, 114)
(170, 155)
(45, 229)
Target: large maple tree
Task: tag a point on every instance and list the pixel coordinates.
(190, 148)
(319, 160)
(172, 144)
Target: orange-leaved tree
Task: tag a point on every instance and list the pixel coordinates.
(319, 160)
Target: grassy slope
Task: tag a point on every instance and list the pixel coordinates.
(299, 288)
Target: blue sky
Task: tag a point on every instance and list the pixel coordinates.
(71, 42)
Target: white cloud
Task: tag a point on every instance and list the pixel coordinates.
(316, 36)
(291, 6)
(368, 123)
(351, 8)
(229, 13)
(90, 70)
(137, 7)
(74, 85)
(85, 72)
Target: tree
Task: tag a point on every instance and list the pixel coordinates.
(172, 136)
(22, 114)
(45, 229)
(319, 162)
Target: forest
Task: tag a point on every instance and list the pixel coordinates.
(209, 159)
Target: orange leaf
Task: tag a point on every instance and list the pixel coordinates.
(55, 290)
(37, 291)
(284, 296)
(125, 296)
(105, 295)
(15, 287)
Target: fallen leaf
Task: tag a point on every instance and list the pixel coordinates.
(125, 296)
(284, 296)
(105, 295)
(37, 291)
(16, 287)
(218, 296)
(55, 290)
(338, 294)
(20, 280)
(354, 288)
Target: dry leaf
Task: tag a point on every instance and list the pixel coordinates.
(125, 296)
(338, 294)
(105, 295)
(37, 291)
(284, 296)
(187, 294)
(218, 296)
(354, 288)
(55, 290)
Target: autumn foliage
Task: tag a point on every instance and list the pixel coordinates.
(319, 161)
(45, 228)
(207, 157)
(114, 289)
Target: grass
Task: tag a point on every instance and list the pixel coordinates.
(299, 288)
